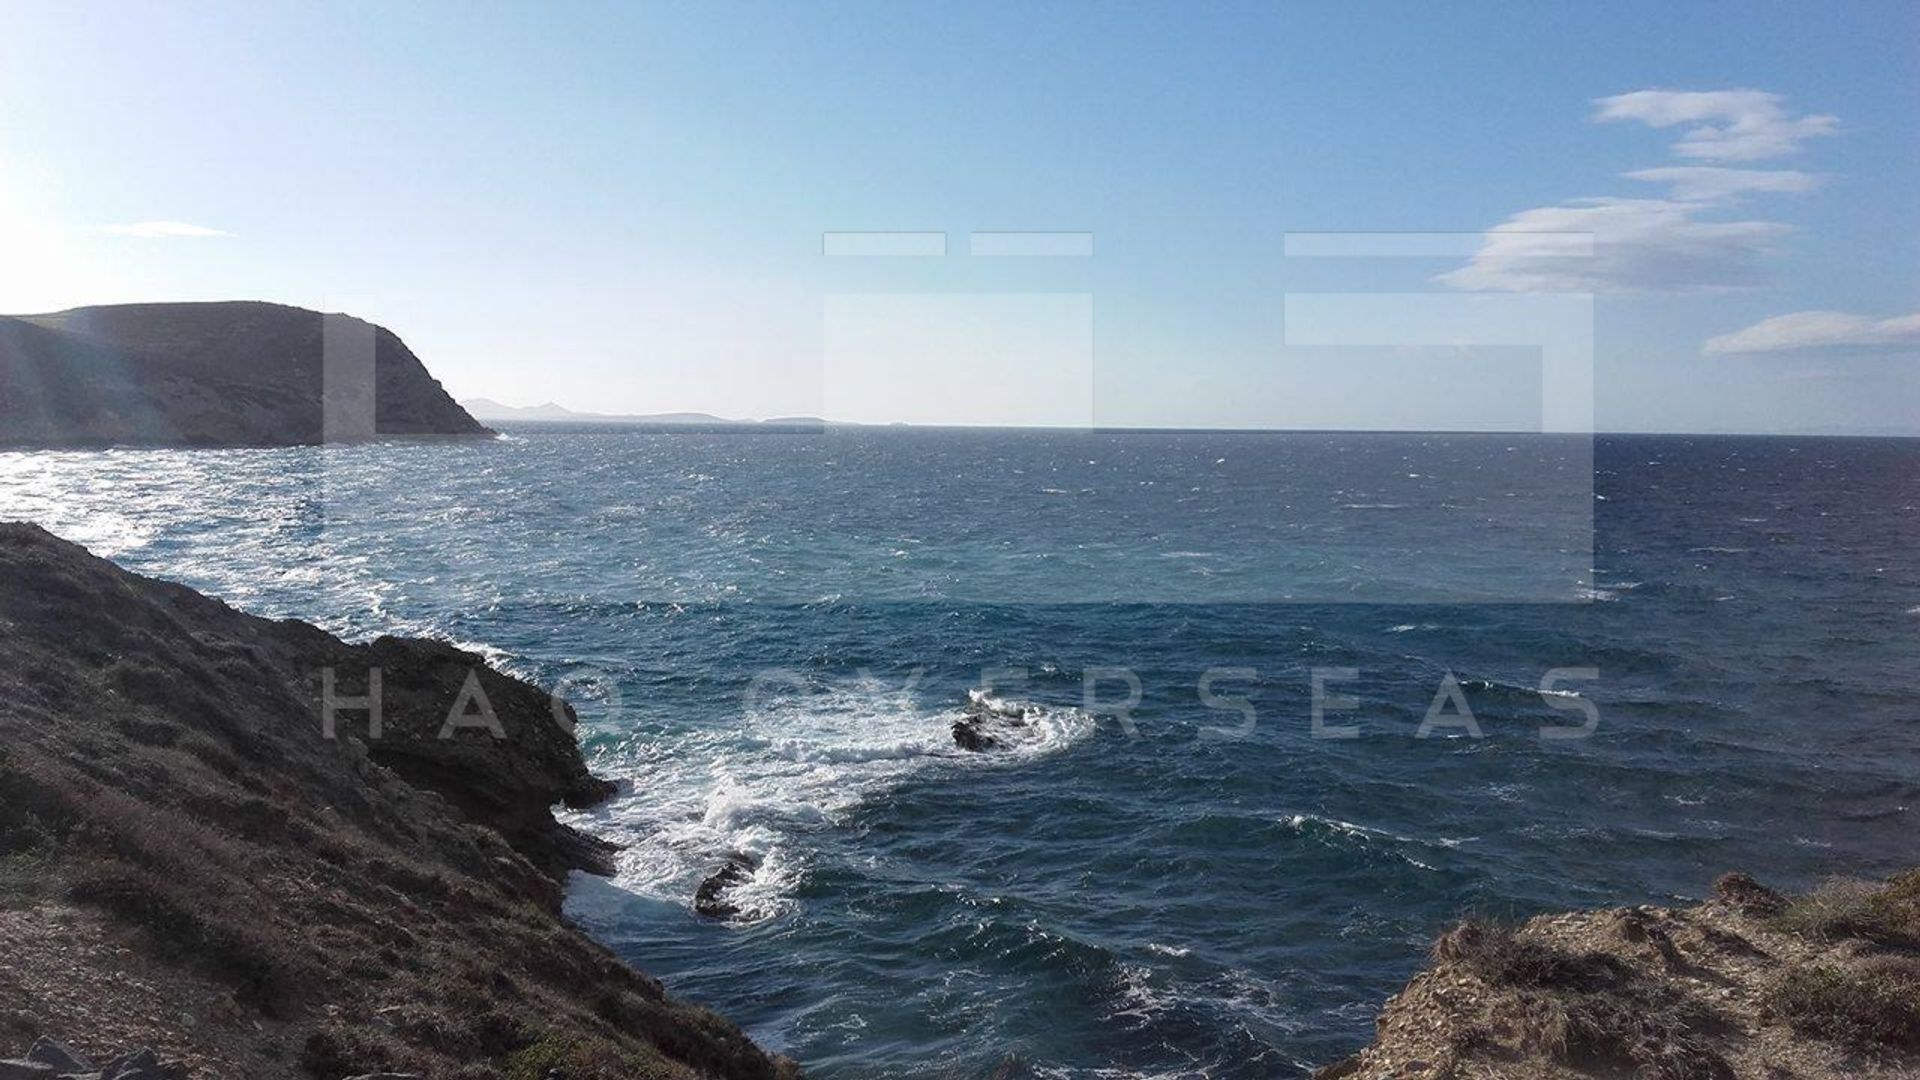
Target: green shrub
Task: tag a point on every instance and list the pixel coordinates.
(27, 877)
(578, 1058)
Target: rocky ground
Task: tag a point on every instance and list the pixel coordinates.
(49, 1059)
(1747, 985)
(189, 866)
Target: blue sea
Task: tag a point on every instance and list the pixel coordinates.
(769, 635)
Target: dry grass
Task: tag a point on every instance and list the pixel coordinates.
(1871, 1005)
(1588, 1010)
(1885, 914)
(186, 863)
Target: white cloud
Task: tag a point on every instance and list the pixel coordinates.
(163, 230)
(1724, 125)
(1817, 329)
(1712, 183)
(1666, 244)
(1638, 245)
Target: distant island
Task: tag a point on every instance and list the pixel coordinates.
(486, 409)
(210, 374)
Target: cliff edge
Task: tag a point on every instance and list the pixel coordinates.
(1750, 984)
(212, 374)
(189, 863)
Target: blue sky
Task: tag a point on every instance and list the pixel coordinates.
(621, 207)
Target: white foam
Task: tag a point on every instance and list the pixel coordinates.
(771, 784)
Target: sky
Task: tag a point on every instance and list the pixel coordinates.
(1638, 217)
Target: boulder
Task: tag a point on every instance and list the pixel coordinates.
(59, 1055)
(711, 898)
(1748, 896)
(142, 1065)
(988, 725)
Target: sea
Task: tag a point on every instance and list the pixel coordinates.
(1292, 701)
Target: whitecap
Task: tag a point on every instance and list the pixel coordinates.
(771, 784)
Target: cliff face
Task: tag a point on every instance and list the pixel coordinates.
(222, 374)
(188, 863)
(1749, 984)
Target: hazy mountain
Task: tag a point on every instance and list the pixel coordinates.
(488, 409)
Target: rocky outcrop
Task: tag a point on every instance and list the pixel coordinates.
(989, 724)
(218, 374)
(1749, 984)
(711, 898)
(189, 863)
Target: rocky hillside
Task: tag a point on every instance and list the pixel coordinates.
(226, 374)
(189, 865)
(1748, 985)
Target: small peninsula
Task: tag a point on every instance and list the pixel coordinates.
(239, 373)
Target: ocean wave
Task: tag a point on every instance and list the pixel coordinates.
(1496, 686)
(792, 768)
(1333, 828)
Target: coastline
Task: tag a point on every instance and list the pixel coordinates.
(189, 864)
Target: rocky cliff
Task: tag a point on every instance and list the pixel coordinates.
(188, 863)
(222, 374)
(1750, 984)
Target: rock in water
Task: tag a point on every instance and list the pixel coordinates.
(711, 898)
(967, 735)
(988, 724)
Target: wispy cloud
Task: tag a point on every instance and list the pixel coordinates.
(1817, 330)
(1671, 244)
(1638, 245)
(1712, 183)
(1721, 125)
(164, 230)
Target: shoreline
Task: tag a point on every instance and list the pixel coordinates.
(190, 864)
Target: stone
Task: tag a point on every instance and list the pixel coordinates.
(711, 900)
(59, 1055)
(1748, 895)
